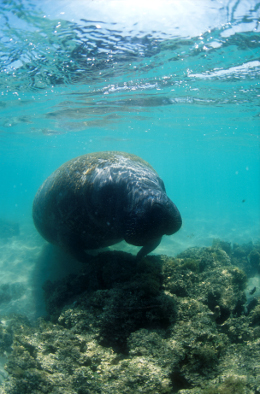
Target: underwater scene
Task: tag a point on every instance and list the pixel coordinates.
(130, 196)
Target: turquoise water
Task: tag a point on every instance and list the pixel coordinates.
(176, 83)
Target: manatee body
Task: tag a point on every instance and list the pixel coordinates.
(102, 198)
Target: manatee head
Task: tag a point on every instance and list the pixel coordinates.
(153, 216)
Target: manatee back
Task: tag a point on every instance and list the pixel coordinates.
(86, 197)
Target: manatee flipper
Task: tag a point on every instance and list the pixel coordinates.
(148, 247)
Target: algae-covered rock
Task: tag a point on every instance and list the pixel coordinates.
(254, 260)
(254, 315)
(247, 257)
(125, 303)
(206, 274)
(160, 325)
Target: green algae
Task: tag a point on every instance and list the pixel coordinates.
(160, 325)
(255, 315)
(232, 385)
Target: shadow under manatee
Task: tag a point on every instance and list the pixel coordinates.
(53, 264)
(117, 293)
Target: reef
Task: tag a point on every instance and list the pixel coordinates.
(161, 325)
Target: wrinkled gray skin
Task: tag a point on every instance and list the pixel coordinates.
(99, 199)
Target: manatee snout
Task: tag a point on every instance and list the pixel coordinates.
(171, 217)
(151, 219)
(160, 218)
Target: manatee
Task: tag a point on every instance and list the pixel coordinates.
(99, 199)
